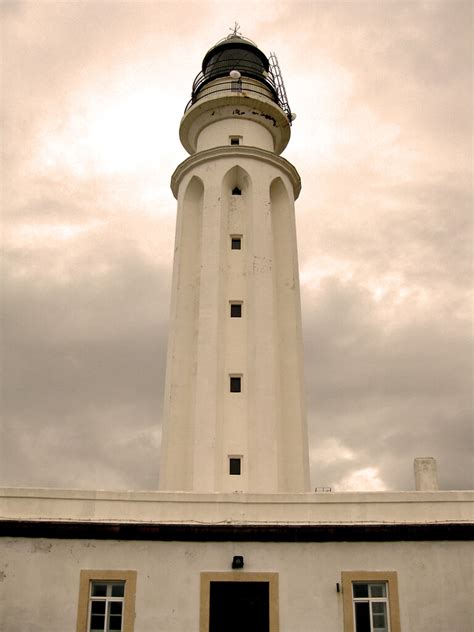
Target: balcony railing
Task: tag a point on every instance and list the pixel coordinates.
(248, 70)
(233, 87)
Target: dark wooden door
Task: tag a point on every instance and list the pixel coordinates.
(239, 607)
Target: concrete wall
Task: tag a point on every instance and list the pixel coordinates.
(39, 581)
(218, 134)
(188, 508)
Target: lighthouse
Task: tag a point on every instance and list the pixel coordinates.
(234, 410)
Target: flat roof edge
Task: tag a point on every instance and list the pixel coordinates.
(389, 532)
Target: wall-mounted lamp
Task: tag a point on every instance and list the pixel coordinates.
(238, 561)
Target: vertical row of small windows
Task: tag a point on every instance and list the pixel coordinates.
(235, 462)
(235, 381)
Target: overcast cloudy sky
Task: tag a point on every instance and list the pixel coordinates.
(92, 96)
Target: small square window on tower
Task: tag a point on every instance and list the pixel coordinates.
(235, 465)
(236, 242)
(236, 310)
(235, 140)
(235, 383)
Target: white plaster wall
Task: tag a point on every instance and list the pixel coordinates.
(316, 508)
(39, 581)
(182, 342)
(266, 422)
(217, 134)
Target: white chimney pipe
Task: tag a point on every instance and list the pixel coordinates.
(426, 474)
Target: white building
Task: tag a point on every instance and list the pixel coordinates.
(235, 540)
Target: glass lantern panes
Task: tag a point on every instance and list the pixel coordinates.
(370, 606)
(106, 604)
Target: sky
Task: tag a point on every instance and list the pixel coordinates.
(92, 94)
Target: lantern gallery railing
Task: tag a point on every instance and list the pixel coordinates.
(236, 87)
(248, 70)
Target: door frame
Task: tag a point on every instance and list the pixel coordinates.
(238, 576)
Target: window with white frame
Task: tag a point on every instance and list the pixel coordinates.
(106, 601)
(370, 602)
(106, 606)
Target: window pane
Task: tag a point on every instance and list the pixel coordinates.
(99, 590)
(115, 622)
(118, 590)
(379, 622)
(115, 607)
(98, 607)
(234, 466)
(97, 623)
(362, 616)
(235, 385)
(379, 615)
(235, 310)
(236, 243)
(360, 590)
(377, 590)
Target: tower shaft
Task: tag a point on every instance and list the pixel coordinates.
(234, 417)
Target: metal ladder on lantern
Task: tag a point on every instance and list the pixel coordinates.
(280, 86)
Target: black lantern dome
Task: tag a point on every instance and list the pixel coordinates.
(235, 53)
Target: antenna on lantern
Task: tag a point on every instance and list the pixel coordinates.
(236, 30)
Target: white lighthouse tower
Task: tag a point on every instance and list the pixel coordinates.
(234, 415)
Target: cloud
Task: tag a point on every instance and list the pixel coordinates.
(83, 346)
(387, 388)
(364, 480)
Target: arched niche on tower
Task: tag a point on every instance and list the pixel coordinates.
(284, 236)
(194, 192)
(279, 192)
(293, 461)
(178, 429)
(190, 227)
(236, 182)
